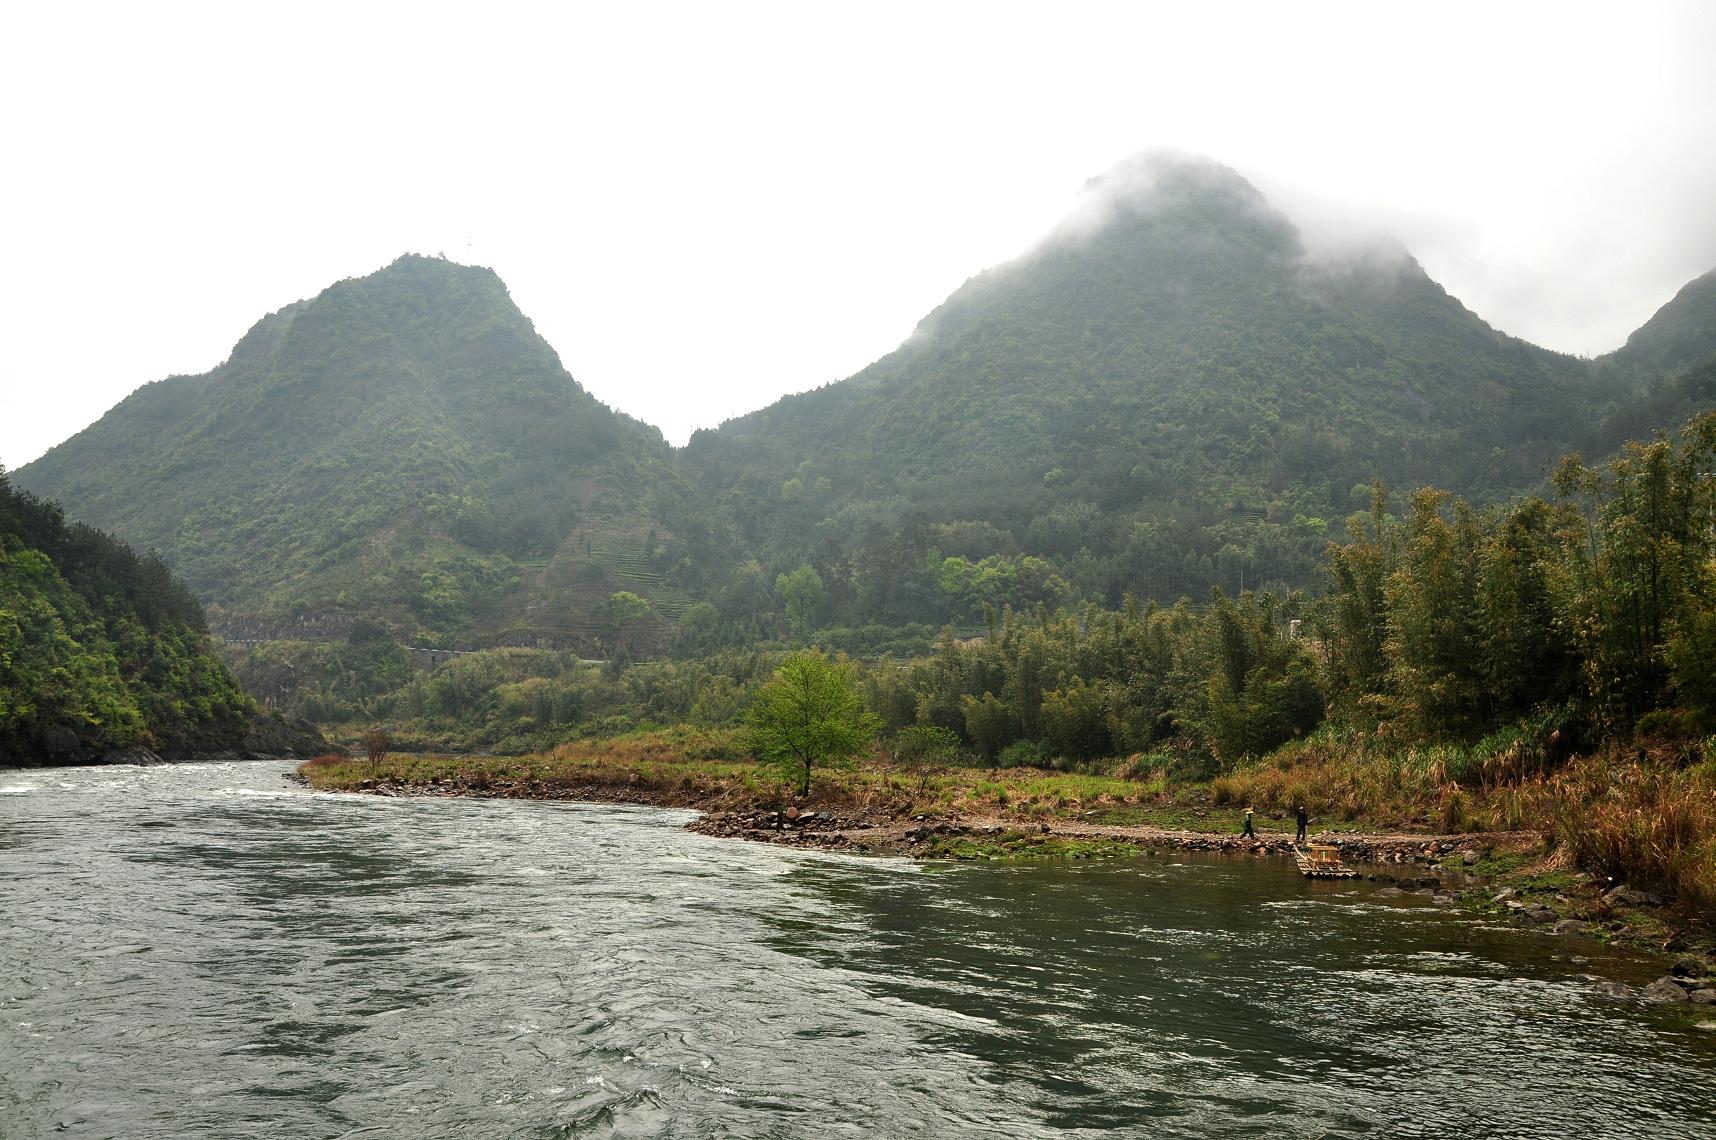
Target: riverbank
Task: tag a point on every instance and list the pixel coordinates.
(265, 736)
(1013, 814)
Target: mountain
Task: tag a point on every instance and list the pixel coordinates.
(1679, 336)
(1665, 373)
(1170, 392)
(402, 448)
(106, 656)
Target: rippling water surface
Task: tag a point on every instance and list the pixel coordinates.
(208, 951)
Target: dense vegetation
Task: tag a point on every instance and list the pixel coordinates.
(1569, 620)
(101, 649)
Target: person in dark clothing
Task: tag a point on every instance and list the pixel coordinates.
(1248, 830)
(1303, 819)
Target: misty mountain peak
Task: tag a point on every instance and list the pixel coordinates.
(1169, 187)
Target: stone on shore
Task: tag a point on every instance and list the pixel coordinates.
(1663, 991)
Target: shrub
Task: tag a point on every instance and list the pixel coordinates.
(1021, 754)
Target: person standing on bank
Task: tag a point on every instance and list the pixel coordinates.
(1248, 830)
(1303, 819)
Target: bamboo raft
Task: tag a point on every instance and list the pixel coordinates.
(1321, 861)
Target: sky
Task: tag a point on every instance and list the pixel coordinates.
(704, 206)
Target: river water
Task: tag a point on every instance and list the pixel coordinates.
(206, 950)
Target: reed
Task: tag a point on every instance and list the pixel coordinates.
(1644, 823)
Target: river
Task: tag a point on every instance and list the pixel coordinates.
(206, 950)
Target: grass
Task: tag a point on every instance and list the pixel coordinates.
(1030, 845)
(711, 763)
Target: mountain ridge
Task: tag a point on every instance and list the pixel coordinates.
(405, 438)
(1170, 391)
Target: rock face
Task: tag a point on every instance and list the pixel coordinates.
(282, 736)
(266, 737)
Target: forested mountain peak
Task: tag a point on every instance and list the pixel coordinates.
(1679, 335)
(1155, 392)
(1158, 184)
(1665, 373)
(1162, 225)
(396, 447)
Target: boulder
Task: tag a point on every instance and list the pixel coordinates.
(1626, 896)
(1504, 894)
(1702, 996)
(1572, 926)
(1663, 991)
(1539, 914)
(1689, 966)
(1614, 991)
(58, 740)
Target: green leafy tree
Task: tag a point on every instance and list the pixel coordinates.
(1434, 639)
(810, 714)
(806, 598)
(1647, 559)
(1075, 722)
(989, 723)
(626, 606)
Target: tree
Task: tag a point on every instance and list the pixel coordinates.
(626, 606)
(806, 598)
(375, 744)
(924, 749)
(810, 713)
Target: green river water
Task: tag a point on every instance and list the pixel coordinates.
(205, 950)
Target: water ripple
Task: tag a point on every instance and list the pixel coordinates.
(204, 950)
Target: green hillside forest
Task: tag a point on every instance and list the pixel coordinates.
(104, 655)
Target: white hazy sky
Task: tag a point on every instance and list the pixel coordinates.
(705, 206)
